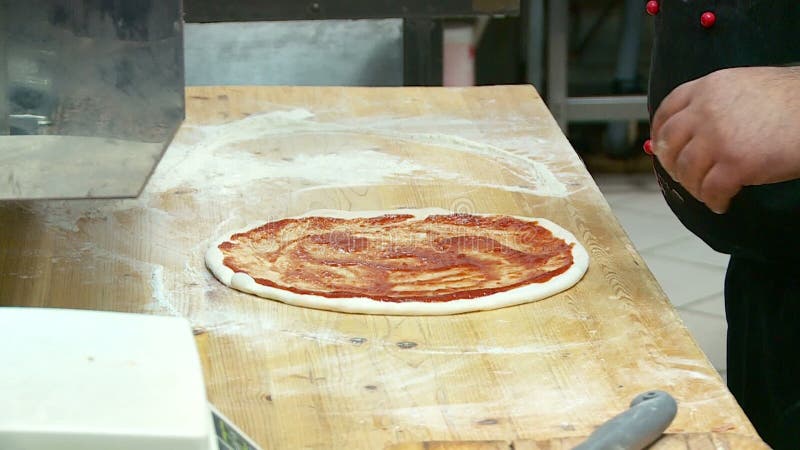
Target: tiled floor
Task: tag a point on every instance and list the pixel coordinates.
(688, 270)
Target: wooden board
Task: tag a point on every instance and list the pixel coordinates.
(300, 378)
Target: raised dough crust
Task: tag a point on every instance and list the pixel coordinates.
(362, 305)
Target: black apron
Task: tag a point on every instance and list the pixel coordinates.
(761, 230)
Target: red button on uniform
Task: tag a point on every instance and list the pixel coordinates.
(648, 147)
(707, 19)
(652, 7)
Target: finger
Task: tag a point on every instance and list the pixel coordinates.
(677, 100)
(692, 165)
(718, 188)
(673, 137)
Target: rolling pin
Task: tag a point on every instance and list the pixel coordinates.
(642, 424)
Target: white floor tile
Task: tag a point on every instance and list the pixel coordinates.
(617, 198)
(647, 230)
(709, 332)
(714, 305)
(643, 202)
(685, 282)
(693, 249)
(615, 182)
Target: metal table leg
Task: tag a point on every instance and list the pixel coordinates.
(533, 11)
(566, 109)
(557, 23)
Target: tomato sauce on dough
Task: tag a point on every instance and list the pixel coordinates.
(399, 257)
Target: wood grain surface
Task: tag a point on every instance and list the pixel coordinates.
(302, 378)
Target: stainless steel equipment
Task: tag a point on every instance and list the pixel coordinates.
(91, 93)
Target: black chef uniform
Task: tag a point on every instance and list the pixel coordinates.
(761, 230)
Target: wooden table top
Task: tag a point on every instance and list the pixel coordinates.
(549, 371)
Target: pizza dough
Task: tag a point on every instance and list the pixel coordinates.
(400, 262)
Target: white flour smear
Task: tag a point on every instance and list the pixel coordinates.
(218, 161)
(159, 293)
(222, 156)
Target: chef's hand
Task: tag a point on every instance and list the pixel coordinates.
(730, 129)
